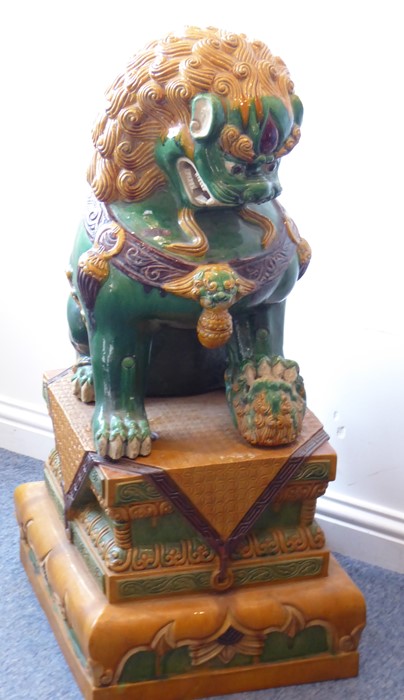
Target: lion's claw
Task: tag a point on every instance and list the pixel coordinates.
(116, 438)
(133, 448)
(102, 446)
(146, 446)
(83, 386)
(116, 448)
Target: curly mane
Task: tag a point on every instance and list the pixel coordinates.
(154, 94)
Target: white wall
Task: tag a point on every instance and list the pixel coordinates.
(342, 185)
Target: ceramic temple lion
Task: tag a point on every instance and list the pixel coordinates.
(183, 232)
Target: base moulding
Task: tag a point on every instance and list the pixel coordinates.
(74, 603)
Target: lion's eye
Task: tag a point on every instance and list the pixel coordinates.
(212, 286)
(271, 167)
(234, 168)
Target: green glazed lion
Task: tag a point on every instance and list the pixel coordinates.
(182, 265)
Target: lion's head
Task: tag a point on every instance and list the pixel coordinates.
(209, 112)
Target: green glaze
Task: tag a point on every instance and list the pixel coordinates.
(136, 492)
(264, 573)
(69, 630)
(175, 528)
(215, 203)
(76, 646)
(97, 482)
(87, 555)
(165, 585)
(313, 471)
(269, 543)
(121, 328)
(287, 516)
(278, 646)
(176, 661)
(228, 235)
(139, 667)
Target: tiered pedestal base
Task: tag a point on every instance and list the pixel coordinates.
(198, 570)
(101, 640)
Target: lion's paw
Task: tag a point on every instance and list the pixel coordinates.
(82, 380)
(267, 401)
(118, 437)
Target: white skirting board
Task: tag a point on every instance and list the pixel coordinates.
(362, 530)
(25, 428)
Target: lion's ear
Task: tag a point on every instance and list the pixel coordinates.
(207, 116)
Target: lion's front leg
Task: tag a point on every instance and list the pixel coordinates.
(120, 425)
(265, 392)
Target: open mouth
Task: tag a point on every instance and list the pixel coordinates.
(195, 188)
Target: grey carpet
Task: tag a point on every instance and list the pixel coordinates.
(33, 667)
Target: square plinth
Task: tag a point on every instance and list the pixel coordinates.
(198, 451)
(205, 511)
